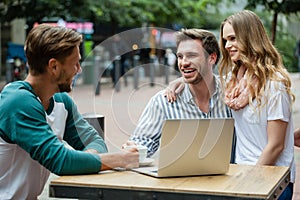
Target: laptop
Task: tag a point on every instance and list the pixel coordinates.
(190, 147)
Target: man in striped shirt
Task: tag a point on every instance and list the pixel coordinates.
(197, 53)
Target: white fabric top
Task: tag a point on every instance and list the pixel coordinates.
(32, 144)
(23, 166)
(251, 128)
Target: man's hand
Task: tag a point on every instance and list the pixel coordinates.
(128, 143)
(126, 159)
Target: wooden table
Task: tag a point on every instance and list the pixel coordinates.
(241, 182)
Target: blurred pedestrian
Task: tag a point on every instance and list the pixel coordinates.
(119, 52)
(170, 58)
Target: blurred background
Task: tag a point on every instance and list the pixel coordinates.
(99, 20)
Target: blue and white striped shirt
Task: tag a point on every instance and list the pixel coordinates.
(158, 109)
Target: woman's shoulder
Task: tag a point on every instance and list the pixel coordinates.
(276, 84)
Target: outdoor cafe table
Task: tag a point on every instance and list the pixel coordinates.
(241, 182)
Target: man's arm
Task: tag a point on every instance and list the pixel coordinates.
(148, 130)
(297, 137)
(127, 159)
(78, 132)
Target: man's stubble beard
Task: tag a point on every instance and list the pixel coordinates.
(64, 87)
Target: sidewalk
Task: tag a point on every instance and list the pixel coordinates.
(122, 110)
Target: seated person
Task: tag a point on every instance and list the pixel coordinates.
(197, 52)
(37, 116)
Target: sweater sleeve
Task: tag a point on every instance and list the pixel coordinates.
(27, 127)
(79, 133)
(148, 130)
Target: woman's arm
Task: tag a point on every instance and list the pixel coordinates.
(276, 130)
(297, 137)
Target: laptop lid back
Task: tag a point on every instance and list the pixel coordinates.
(195, 147)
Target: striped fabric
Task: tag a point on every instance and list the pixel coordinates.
(158, 109)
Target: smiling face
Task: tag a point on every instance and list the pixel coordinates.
(69, 68)
(192, 61)
(231, 43)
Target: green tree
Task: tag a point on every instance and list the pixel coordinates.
(160, 13)
(115, 12)
(276, 7)
(37, 10)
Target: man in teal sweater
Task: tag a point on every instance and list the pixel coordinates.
(37, 116)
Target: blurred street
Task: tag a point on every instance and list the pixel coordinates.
(122, 110)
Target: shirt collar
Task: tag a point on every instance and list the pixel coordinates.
(187, 96)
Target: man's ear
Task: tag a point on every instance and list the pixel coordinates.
(212, 58)
(52, 65)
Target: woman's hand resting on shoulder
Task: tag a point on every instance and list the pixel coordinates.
(174, 88)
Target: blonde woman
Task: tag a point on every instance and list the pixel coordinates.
(258, 90)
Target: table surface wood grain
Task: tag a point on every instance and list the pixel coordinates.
(248, 181)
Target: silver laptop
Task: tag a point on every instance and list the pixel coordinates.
(192, 147)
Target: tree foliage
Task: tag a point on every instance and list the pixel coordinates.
(115, 12)
(279, 6)
(134, 13)
(37, 10)
(276, 7)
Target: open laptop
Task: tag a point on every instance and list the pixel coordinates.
(191, 147)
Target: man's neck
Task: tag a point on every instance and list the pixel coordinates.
(202, 92)
(42, 88)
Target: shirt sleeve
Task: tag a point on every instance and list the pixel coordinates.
(148, 130)
(279, 102)
(79, 133)
(27, 127)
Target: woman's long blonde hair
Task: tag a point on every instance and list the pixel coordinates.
(257, 54)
